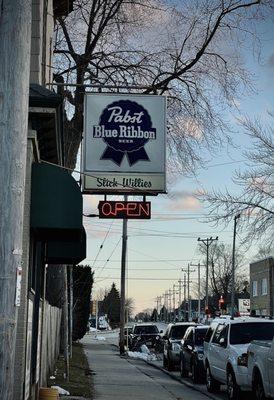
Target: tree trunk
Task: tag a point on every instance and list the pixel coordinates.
(15, 37)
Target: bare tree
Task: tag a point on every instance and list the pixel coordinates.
(255, 201)
(189, 52)
(220, 271)
(129, 307)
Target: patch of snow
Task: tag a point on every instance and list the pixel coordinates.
(91, 329)
(60, 390)
(144, 349)
(52, 377)
(142, 356)
(99, 338)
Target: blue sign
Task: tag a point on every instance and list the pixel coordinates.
(125, 126)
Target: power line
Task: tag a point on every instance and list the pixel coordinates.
(108, 259)
(150, 261)
(100, 248)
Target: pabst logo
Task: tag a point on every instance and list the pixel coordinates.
(125, 126)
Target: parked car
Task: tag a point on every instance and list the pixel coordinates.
(225, 355)
(261, 368)
(172, 343)
(147, 334)
(192, 353)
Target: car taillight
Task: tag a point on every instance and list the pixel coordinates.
(242, 360)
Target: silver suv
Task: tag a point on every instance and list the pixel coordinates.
(225, 352)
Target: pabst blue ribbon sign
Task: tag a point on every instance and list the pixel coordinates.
(124, 144)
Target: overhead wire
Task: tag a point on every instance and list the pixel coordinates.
(108, 259)
(101, 246)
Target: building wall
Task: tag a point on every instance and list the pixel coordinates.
(41, 41)
(262, 304)
(22, 311)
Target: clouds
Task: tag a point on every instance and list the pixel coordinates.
(183, 201)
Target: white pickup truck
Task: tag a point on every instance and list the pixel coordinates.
(261, 368)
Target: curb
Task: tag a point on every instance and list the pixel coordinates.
(188, 384)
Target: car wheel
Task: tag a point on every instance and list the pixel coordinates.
(259, 388)
(233, 390)
(183, 371)
(211, 384)
(194, 372)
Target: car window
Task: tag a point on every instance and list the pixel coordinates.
(200, 336)
(178, 331)
(146, 329)
(245, 333)
(190, 336)
(208, 334)
(217, 334)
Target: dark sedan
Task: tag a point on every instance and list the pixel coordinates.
(192, 353)
(172, 343)
(147, 334)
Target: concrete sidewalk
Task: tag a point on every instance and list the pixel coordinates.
(122, 378)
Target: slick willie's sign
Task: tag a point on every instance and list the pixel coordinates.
(124, 144)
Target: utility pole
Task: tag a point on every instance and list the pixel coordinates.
(123, 286)
(199, 289)
(233, 268)
(170, 303)
(207, 242)
(166, 305)
(15, 39)
(184, 296)
(180, 298)
(188, 288)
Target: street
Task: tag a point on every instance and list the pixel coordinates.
(122, 378)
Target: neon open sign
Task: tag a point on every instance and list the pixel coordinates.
(125, 209)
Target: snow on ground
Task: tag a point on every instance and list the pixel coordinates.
(60, 390)
(142, 356)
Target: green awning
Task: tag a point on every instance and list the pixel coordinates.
(56, 204)
(66, 252)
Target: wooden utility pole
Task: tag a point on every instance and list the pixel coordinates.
(188, 270)
(207, 242)
(15, 37)
(233, 268)
(123, 286)
(199, 289)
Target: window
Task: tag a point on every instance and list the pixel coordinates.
(145, 330)
(264, 287)
(208, 334)
(245, 332)
(254, 289)
(178, 331)
(200, 336)
(190, 336)
(218, 333)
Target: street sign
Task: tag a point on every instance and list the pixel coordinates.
(125, 209)
(124, 146)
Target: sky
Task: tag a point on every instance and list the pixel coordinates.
(158, 249)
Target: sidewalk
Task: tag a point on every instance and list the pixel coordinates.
(121, 378)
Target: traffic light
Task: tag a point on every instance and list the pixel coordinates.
(222, 305)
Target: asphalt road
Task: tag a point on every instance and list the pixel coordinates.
(124, 378)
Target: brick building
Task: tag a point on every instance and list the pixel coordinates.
(262, 287)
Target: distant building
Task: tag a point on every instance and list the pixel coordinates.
(262, 287)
